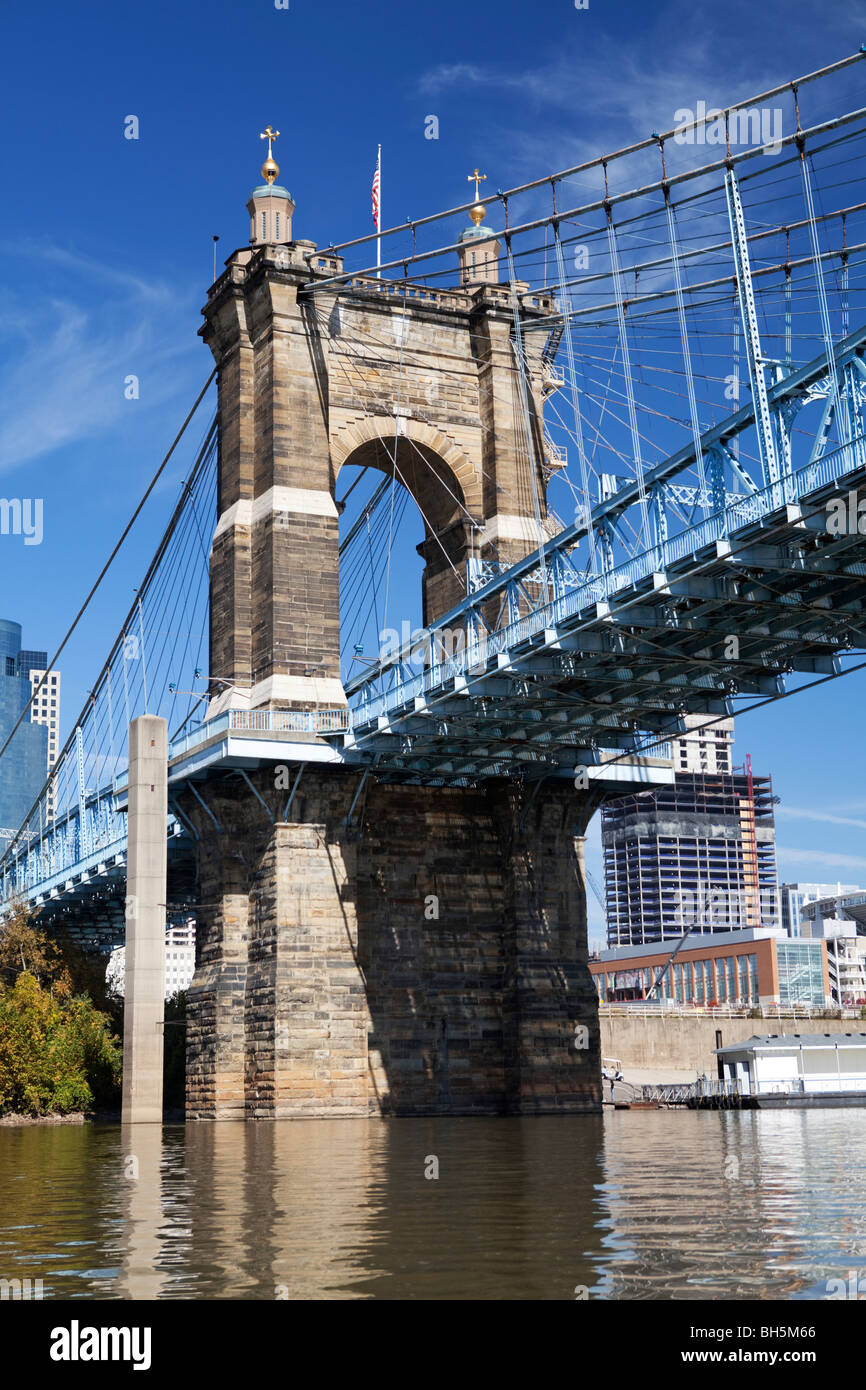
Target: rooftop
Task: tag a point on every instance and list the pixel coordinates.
(774, 1042)
(705, 942)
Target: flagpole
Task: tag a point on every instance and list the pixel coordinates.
(379, 221)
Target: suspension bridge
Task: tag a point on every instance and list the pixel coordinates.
(462, 542)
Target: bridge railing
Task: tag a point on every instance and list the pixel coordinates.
(281, 721)
(263, 721)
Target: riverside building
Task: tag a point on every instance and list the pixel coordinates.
(744, 969)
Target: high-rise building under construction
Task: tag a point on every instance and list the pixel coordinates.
(697, 855)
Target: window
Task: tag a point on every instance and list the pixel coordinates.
(264, 225)
(731, 978)
(801, 975)
(278, 237)
(753, 978)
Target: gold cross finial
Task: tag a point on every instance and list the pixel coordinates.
(269, 135)
(477, 213)
(477, 178)
(270, 168)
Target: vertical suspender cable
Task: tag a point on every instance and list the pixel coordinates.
(111, 728)
(626, 366)
(125, 686)
(748, 313)
(789, 332)
(575, 398)
(845, 317)
(143, 662)
(841, 418)
(734, 444)
(527, 422)
(684, 339)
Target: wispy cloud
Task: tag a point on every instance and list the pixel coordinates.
(65, 353)
(804, 813)
(826, 858)
(599, 91)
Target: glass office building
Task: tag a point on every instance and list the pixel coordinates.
(24, 765)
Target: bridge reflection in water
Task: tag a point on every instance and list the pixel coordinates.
(521, 1209)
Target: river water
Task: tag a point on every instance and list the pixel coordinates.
(634, 1205)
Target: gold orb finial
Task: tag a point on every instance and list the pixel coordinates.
(270, 168)
(479, 212)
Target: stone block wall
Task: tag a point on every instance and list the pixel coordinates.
(430, 958)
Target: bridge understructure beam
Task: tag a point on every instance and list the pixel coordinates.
(424, 955)
(735, 618)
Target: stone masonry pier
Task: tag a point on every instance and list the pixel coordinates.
(428, 959)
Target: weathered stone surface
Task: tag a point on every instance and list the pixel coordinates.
(430, 961)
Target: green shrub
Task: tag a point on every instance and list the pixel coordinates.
(57, 1054)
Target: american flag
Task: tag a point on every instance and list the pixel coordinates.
(377, 184)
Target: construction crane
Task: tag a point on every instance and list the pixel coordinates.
(590, 878)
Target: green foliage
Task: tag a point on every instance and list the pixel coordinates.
(57, 1052)
(23, 947)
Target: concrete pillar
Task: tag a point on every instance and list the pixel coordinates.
(144, 1007)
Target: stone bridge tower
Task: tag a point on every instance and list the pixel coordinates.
(429, 954)
(418, 379)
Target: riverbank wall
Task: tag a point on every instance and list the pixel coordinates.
(673, 1043)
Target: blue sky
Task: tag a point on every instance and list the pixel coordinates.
(106, 245)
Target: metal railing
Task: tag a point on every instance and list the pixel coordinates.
(671, 1007)
(706, 1088)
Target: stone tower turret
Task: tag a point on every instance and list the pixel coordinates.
(270, 206)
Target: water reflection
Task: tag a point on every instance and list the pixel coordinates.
(654, 1204)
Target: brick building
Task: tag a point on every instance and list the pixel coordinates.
(757, 966)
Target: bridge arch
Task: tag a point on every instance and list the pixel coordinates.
(442, 481)
(418, 444)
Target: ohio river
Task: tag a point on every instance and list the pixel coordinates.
(637, 1205)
